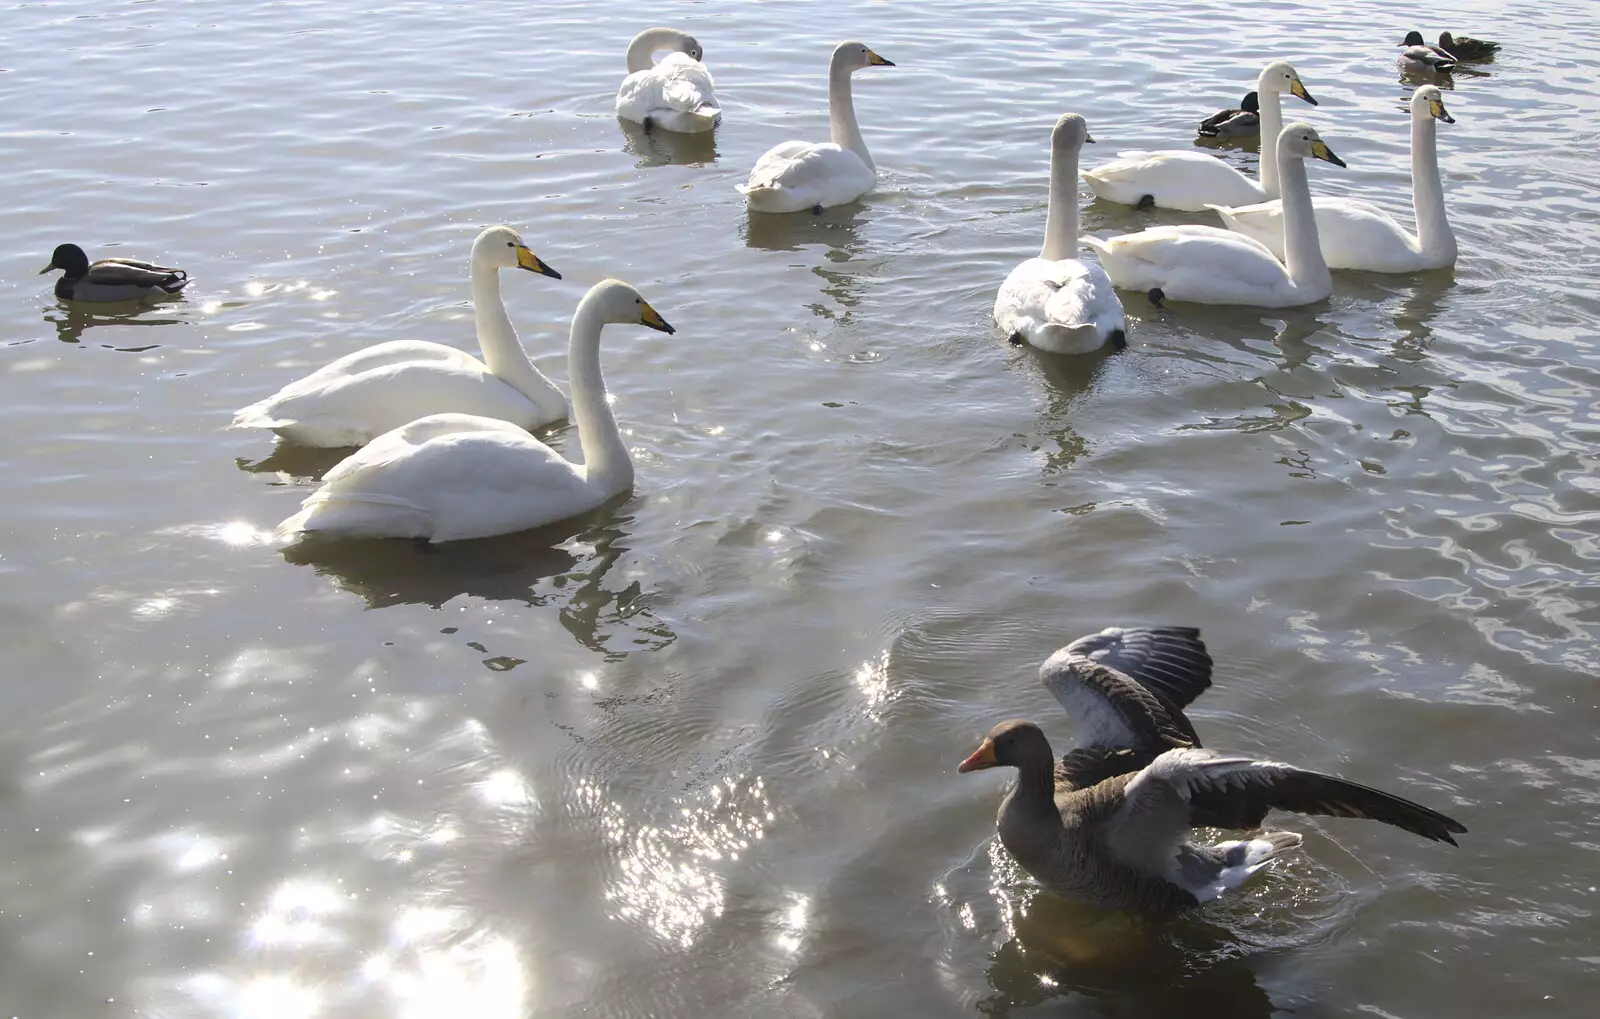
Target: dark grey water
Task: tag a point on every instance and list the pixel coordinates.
(696, 755)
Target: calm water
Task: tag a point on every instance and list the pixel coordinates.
(695, 755)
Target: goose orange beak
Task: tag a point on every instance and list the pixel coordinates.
(981, 758)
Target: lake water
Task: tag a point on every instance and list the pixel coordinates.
(695, 755)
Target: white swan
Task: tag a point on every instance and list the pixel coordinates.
(674, 94)
(1358, 235)
(1209, 265)
(1187, 180)
(451, 476)
(364, 394)
(1058, 302)
(811, 175)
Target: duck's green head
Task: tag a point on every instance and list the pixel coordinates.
(70, 259)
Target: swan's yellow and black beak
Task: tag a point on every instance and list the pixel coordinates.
(1320, 150)
(1088, 138)
(873, 60)
(528, 260)
(981, 758)
(48, 268)
(1436, 107)
(648, 316)
(1298, 89)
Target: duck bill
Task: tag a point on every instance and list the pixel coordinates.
(1298, 89)
(1439, 112)
(873, 60)
(48, 268)
(1320, 150)
(981, 758)
(648, 316)
(528, 260)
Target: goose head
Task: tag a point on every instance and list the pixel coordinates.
(1280, 76)
(1428, 101)
(1013, 744)
(501, 247)
(1302, 141)
(616, 303)
(70, 259)
(853, 56)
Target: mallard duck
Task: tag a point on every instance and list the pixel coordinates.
(675, 93)
(1244, 122)
(446, 477)
(110, 279)
(1057, 301)
(1467, 48)
(1416, 55)
(795, 176)
(1108, 823)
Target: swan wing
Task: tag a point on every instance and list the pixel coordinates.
(1353, 233)
(1176, 179)
(677, 84)
(1208, 256)
(1066, 305)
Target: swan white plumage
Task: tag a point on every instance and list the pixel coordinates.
(365, 393)
(1209, 265)
(795, 176)
(452, 476)
(676, 93)
(1358, 235)
(1187, 180)
(1057, 301)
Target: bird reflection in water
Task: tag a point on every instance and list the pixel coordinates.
(565, 564)
(73, 320)
(664, 148)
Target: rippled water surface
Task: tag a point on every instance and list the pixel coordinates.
(694, 754)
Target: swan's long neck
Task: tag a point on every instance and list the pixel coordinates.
(645, 44)
(502, 351)
(1270, 103)
(1301, 247)
(1427, 191)
(1061, 221)
(842, 114)
(605, 457)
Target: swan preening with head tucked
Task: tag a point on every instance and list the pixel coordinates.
(1209, 265)
(446, 477)
(1357, 235)
(1109, 822)
(796, 176)
(1189, 181)
(1057, 301)
(364, 394)
(675, 93)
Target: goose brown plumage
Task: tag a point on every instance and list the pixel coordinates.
(1108, 822)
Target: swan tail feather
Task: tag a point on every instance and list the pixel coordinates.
(258, 415)
(357, 514)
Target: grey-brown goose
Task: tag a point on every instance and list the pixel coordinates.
(110, 279)
(1108, 823)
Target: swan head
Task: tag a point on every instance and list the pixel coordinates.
(853, 56)
(1071, 132)
(1302, 141)
(616, 303)
(1428, 101)
(688, 45)
(1280, 76)
(502, 248)
(69, 258)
